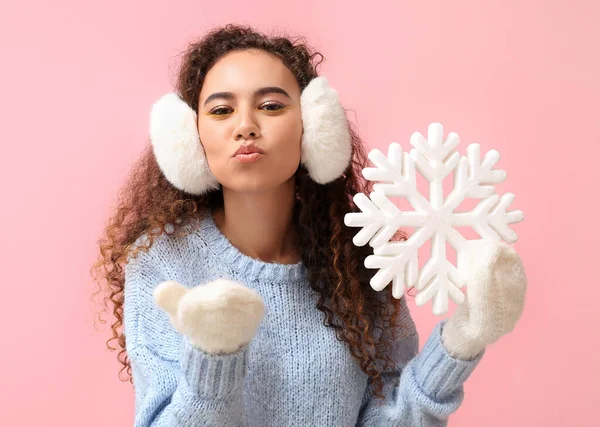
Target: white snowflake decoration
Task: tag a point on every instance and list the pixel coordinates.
(433, 219)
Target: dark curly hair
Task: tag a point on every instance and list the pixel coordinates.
(148, 202)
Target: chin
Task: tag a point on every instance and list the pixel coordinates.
(255, 184)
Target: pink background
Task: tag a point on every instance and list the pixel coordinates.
(78, 80)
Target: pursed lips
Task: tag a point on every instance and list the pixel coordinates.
(248, 149)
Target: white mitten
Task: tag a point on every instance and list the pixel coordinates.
(494, 301)
(218, 317)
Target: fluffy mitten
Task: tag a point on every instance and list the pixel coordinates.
(494, 301)
(218, 317)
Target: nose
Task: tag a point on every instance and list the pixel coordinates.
(247, 127)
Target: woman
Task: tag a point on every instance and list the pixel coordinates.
(242, 298)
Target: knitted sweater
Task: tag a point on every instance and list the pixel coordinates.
(295, 372)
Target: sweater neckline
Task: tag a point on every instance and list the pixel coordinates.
(247, 267)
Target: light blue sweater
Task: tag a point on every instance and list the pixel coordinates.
(294, 372)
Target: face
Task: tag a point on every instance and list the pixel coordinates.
(235, 109)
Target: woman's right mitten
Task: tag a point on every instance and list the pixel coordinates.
(219, 317)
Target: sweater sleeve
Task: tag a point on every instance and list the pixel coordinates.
(425, 391)
(201, 390)
(187, 388)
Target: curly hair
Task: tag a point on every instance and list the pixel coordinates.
(148, 202)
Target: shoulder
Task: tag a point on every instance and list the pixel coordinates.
(165, 245)
(145, 324)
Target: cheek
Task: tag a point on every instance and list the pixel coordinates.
(289, 137)
(287, 153)
(214, 148)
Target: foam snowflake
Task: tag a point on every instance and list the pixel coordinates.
(434, 219)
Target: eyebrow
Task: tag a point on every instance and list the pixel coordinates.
(259, 92)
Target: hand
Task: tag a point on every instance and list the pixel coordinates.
(218, 317)
(494, 301)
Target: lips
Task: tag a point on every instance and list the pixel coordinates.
(248, 149)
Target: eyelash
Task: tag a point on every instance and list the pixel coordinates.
(272, 112)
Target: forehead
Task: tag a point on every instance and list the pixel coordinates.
(244, 71)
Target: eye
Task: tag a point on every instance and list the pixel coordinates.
(216, 111)
(276, 106)
(273, 108)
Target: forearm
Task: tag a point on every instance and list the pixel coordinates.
(204, 390)
(430, 389)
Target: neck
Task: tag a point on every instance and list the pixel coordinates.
(261, 225)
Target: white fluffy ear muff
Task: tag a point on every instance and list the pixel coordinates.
(326, 142)
(177, 147)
